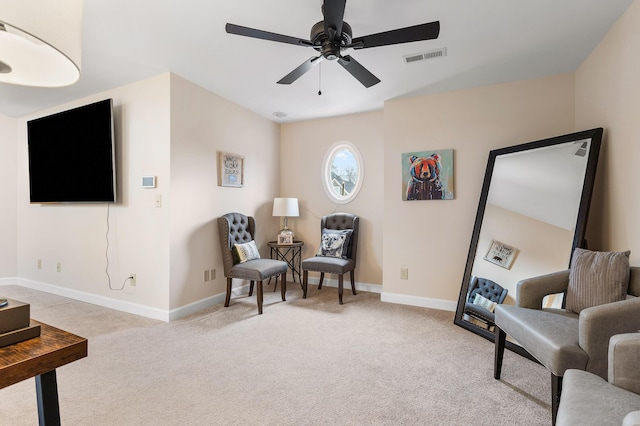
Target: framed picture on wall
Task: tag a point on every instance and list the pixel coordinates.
(427, 175)
(501, 254)
(230, 170)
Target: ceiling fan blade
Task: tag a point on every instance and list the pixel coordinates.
(333, 11)
(358, 71)
(265, 35)
(401, 35)
(301, 70)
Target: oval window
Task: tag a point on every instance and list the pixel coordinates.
(342, 172)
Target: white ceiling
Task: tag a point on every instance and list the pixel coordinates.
(487, 42)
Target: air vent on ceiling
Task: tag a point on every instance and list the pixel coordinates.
(423, 56)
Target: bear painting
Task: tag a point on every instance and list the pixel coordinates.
(427, 175)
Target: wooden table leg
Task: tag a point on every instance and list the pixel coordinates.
(47, 396)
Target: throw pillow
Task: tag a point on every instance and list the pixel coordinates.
(247, 251)
(596, 278)
(480, 300)
(334, 243)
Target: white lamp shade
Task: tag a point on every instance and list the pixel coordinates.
(285, 207)
(41, 42)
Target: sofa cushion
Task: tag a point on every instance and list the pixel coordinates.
(588, 399)
(597, 278)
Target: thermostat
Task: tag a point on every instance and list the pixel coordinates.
(148, 181)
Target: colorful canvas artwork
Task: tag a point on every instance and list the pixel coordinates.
(427, 175)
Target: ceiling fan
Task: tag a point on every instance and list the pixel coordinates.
(333, 35)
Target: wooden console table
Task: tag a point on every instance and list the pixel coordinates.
(39, 357)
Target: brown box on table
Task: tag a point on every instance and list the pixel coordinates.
(14, 316)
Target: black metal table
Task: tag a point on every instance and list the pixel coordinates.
(289, 253)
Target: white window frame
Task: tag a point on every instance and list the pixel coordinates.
(326, 172)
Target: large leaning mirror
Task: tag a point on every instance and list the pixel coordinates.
(532, 213)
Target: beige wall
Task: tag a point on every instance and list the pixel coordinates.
(303, 149)
(8, 195)
(608, 95)
(75, 234)
(202, 124)
(431, 238)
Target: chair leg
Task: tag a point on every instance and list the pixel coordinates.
(353, 281)
(321, 278)
(283, 286)
(251, 288)
(500, 339)
(259, 297)
(228, 298)
(305, 279)
(340, 285)
(556, 390)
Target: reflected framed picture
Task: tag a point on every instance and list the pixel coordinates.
(501, 254)
(230, 170)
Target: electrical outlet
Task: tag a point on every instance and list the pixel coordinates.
(404, 274)
(206, 275)
(213, 274)
(132, 279)
(58, 267)
(39, 263)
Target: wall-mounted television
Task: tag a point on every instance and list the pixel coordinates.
(72, 156)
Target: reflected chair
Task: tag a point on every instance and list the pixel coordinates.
(236, 228)
(489, 291)
(327, 261)
(560, 339)
(588, 399)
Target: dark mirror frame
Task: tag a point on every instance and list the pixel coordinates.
(583, 210)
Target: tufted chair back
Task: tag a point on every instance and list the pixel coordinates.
(487, 289)
(235, 228)
(339, 222)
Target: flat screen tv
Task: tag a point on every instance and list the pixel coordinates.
(72, 156)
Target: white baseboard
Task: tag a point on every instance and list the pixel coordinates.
(332, 282)
(423, 302)
(107, 302)
(186, 310)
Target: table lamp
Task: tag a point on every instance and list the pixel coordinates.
(287, 207)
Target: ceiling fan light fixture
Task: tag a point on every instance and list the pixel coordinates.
(40, 42)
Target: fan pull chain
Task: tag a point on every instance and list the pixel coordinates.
(320, 79)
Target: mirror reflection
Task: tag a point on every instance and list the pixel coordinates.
(532, 214)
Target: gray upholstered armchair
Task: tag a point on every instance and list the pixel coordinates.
(336, 228)
(588, 399)
(236, 228)
(559, 339)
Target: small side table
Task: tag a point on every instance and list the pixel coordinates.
(290, 253)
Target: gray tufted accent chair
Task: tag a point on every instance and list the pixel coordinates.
(333, 265)
(236, 228)
(487, 289)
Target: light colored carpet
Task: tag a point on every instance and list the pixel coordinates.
(303, 362)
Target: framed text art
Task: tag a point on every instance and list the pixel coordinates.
(501, 254)
(230, 170)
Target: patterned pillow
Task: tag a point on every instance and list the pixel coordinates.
(334, 243)
(480, 300)
(247, 251)
(597, 278)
